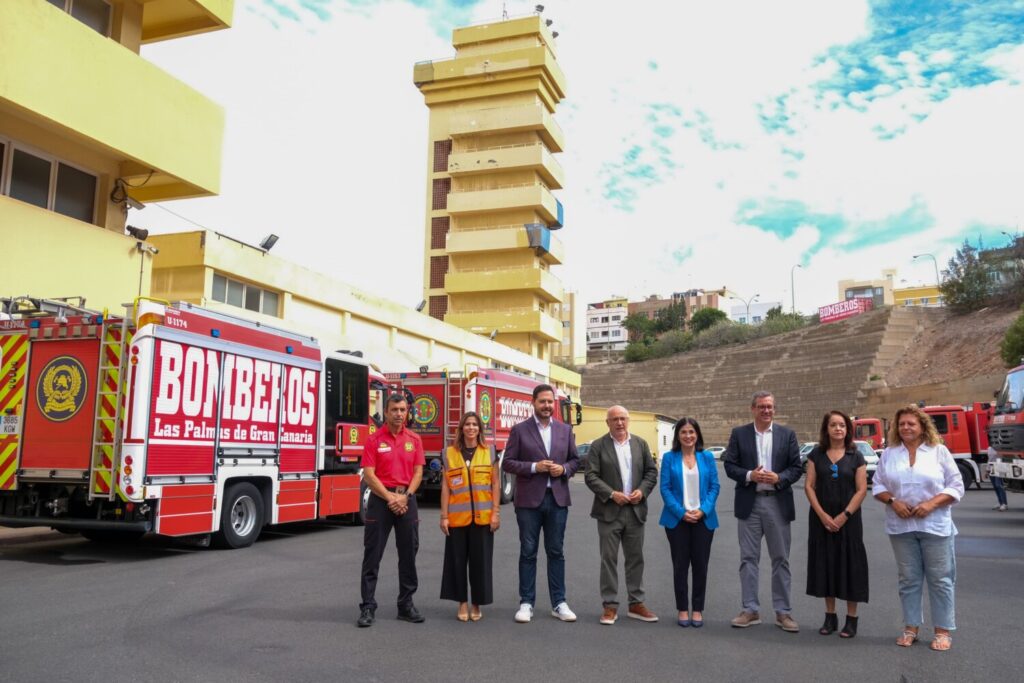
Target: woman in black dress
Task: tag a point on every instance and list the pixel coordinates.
(836, 485)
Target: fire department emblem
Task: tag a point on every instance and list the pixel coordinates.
(426, 409)
(353, 435)
(408, 447)
(485, 408)
(61, 389)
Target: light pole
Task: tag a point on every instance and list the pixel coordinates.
(747, 302)
(792, 287)
(934, 263)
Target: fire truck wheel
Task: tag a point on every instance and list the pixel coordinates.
(359, 518)
(241, 519)
(508, 487)
(968, 476)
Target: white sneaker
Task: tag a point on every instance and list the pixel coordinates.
(1001, 508)
(525, 613)
(562, 611)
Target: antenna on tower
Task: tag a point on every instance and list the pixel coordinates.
(504, 11)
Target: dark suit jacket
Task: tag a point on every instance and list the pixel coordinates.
(525, 447)
(603, 477)
(740, 457)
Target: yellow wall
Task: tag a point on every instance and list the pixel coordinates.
(47, 255)
(82, 86)
(394, 337)
(641, 423)
(913, 296)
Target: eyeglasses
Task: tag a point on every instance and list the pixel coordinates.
(835, 470)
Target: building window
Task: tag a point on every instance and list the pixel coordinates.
(616, 333)
(93, 13)
(438, 306)
(616, 318)
(604, 319)
(438, 269)
(604, 333)
(441, 188)
(439, 232)
(924, 301)
(442, 148)
(849, 294)
(47, 183)
(243, 295)
(566, 323)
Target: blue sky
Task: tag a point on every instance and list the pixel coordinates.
(709, 144)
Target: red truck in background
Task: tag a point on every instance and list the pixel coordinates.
(502, 399)
(1006, 431)
(964, 430)
(176, 420)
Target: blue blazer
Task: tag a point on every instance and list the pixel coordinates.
(672, 489)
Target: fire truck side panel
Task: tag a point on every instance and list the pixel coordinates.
(186, 510)
(14, 355)
(339, 494)
(429, 407)
(296, 500)
(299, 412)
(183, 410)
(61, 405)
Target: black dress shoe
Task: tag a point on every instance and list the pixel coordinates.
(365, 617)
(410, 614)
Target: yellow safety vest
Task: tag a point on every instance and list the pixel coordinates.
(469, 492)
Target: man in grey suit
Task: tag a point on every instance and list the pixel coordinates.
(763, 458)
(621, 473)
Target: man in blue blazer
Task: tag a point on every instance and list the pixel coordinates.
(763, 458)
(541, 452)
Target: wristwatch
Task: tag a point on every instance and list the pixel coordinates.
(847, 513)
(891, 499)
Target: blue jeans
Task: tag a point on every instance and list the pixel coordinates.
(551, 518)
(997, 485)
(921, 558)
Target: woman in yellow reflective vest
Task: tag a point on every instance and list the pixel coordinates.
(470, 514)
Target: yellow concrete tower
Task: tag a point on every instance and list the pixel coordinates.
(87, 126)
(491, 172)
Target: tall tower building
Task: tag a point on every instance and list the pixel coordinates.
(491, 210)
(89, 127)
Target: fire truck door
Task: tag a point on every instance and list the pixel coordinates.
(60, 405)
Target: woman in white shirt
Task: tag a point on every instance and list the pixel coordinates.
(918, 480)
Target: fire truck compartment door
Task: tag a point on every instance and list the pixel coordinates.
(61, 404)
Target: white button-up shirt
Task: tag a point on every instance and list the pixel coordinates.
(934, 472)
(625, 458)
(763, 441)
(545, 436)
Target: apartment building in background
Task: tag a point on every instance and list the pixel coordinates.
(605, 328)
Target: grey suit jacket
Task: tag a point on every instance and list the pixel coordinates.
(603, 477)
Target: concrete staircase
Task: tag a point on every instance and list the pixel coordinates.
(810, 371)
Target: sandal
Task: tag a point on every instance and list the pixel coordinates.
(476, 614)
(942, 642)
(907, 638)
(462, 614)
(849, 628)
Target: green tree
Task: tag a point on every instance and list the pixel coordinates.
(773, 313)
(640, 327)
(672, 317)
(966, 287)
(705, 318)
(636, 351)
(1012, 346)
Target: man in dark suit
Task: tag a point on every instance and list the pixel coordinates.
(764, 460)
(621, 473)
(541, 452)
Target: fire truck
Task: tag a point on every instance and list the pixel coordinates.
(963, 429)
(1006, 432)
(502, 399)
(176, 420)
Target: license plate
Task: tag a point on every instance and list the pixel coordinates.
(9, 424)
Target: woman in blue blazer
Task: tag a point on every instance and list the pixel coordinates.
(689, 487)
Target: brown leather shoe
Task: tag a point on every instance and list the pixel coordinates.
(745, 619)
(786, 623)
(639, 611)
(610, 615)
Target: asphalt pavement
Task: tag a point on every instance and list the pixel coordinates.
(285, 609)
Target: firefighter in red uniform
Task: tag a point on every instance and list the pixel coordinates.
(392, 469)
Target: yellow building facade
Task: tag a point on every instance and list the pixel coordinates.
(490, 207)
(925, 295)
(223, 274)
(88, 127)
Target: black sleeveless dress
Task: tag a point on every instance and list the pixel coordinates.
(837, 563)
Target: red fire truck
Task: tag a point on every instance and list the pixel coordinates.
(502, 399)
(1006, 432)
(174, 420)
(962, 428)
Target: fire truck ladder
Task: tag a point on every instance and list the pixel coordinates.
(107, 423)
(454, 400)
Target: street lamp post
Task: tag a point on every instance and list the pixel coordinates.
(792, 287)
(747, 303)
(934, 263)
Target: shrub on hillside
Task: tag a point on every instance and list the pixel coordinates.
(1012, 346)
(724, 332)
(636, 351)
(671, 343)
(705, 318)
(782, 322)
